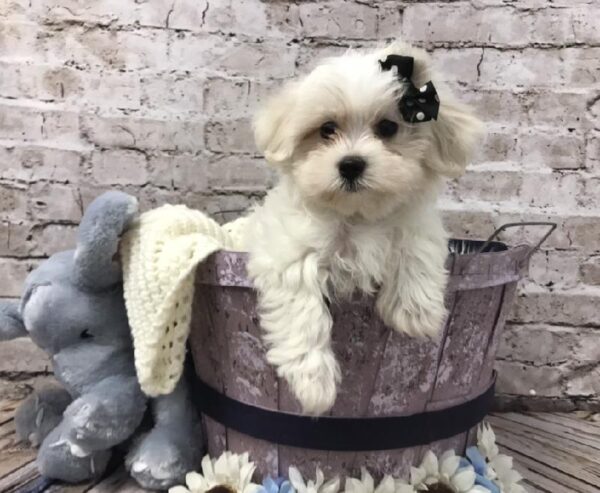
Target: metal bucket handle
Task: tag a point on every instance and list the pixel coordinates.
(552, 227)
(524, 260)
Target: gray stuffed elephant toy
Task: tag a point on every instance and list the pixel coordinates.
(73, 308)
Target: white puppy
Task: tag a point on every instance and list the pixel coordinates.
(354, 210)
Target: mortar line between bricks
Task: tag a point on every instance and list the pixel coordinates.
(307, 39)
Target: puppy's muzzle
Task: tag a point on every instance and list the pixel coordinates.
(351, 168)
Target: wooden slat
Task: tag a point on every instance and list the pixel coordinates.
(7, 410)
(535, 482)
(19, 478)
(249, 377)
(68, 488)
(563, 471)
(118, 482)
(550, 439)
(546, 478)
(13, 454)
(208, 347)
(567, 458)
(579, 428)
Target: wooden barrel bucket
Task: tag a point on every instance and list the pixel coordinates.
(384, 374)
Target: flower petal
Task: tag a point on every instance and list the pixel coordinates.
(367, 479)
(417, 475)
(319, 478)
(253, 488)
(270, 485)
(245, 475)
(207, 469)
(464, 479)
(387, 485)
(486, 441)
(510, 477)
(478, 489)
(430, 464)
(296, 479)
(221, 468)
(449, 466)
(477, 460)
(404, 488)
(354, 485)
(179, 489)
(286, 487)
(446, 454)
(332, 486)
(486, 483)
(195, 482)
(502, 464)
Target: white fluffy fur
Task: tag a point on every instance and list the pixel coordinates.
(313, 240)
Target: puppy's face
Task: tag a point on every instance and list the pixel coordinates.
(340, 136)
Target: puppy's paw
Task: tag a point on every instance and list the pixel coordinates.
(416, 322)
(313, 379)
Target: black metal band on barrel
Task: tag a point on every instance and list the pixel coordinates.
(342, 433)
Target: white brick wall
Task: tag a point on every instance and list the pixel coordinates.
(156, 97)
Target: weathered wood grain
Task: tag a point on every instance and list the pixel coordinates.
(7, 410)
(13, 453)
(383, 373)
(548, 450)
(248, 376)
(21, 475)
(206, 343)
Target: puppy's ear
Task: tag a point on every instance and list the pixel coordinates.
(274, 126)
(454, 137)
(456, 131)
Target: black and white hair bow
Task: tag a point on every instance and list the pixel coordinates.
(416, 104)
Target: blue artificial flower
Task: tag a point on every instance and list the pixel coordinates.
(475, 459)
(277, 485)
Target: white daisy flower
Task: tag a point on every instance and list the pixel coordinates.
(366, 484)
(444, 475)
(402, 487)
(230, 473)
(316, 486)
(499, 466)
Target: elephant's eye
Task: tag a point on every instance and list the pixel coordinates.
(85, 334)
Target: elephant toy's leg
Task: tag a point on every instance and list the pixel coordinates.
(162, 457)
(40, 413)
(106, 415)
(56, 459)
(78, 449)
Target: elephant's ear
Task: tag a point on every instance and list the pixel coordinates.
(11, 323)
(105, 220)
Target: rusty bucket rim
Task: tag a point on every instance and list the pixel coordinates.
(501, 247)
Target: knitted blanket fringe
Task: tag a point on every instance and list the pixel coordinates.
(159, 255)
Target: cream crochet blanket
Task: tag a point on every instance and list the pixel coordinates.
(159, 255)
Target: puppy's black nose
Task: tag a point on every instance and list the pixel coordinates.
(351, 167)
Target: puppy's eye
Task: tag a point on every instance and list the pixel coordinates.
(386, 128)
(327, 129)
